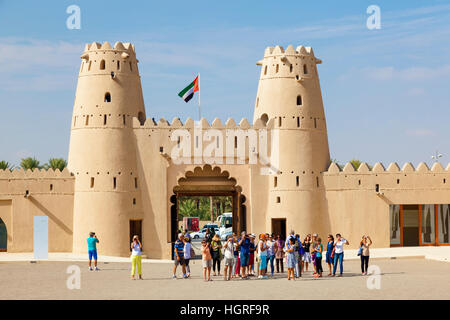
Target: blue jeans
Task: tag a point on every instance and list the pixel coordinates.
(296, 268)
(338, 257)
(272, 266)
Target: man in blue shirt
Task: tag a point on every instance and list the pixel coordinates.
(178, 256)
(244, 245)
(92, 249)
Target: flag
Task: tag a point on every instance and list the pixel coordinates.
(187, 93)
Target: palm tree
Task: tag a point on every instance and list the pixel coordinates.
(4, 165)
(56, 163)
(356, 163)
(30, 163)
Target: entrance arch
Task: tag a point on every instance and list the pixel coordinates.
(208, 181)
(3, 236)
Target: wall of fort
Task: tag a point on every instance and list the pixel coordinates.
(358, 200)
(25, 194)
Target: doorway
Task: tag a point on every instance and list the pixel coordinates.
(135, 229)
(3, 236)
(410, 225)
(279, 227)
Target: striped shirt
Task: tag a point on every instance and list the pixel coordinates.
(179, 247)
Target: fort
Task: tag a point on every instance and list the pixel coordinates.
(126, 171)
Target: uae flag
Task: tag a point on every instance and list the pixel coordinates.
(187, 93)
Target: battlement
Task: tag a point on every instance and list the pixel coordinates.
(392, 168)
(118, 46)
(36, 174)
(176, 123)
(380, 180)
(300, 51)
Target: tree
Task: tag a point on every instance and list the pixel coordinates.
(356, 163)
(4, 165)
(30, 163)
(56, 163)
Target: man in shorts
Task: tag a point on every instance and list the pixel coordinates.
(92, 249)
(179, 256)
(244, 256)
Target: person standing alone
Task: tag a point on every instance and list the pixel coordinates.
(136, 257)
(92, 249)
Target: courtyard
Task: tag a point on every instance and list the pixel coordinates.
(403, 278)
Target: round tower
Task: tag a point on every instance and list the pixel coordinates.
(289, 93)
(102, 153)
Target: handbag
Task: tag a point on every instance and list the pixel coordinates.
(360, 251)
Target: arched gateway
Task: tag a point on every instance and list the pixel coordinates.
(209, 181)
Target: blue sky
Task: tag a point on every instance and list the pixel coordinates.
(386, 92)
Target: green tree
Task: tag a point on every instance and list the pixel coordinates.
(30, 163)
(4, 165)
(56, 163)
(356, 163)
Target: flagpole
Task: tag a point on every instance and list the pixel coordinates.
(199, 108)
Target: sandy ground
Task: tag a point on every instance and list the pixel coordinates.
(400, 279)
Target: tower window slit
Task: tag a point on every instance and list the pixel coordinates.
(276, 70)
(265, 70)
(299, 100)
(279, 121)
(118, 65)
(298, 122)
(305, 69)
(297, 180)
(51, 187)
(235, 142)
(89, 66)
(104, 119)
(102, 65)
(315, 123)
(317, 181)
(278, 199)
(87, 120)
(131, 67)
(92, 182)
(135, 183)
(124, 119)
(290, 68)
(114, 183)
(107, 97)
(275, 181)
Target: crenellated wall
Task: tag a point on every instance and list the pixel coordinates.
(358, 201)
(25, 194)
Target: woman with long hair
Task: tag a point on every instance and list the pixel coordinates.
(306, 259)
(279, 253)
(365, 243)
(329, 256)
(216, 253)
